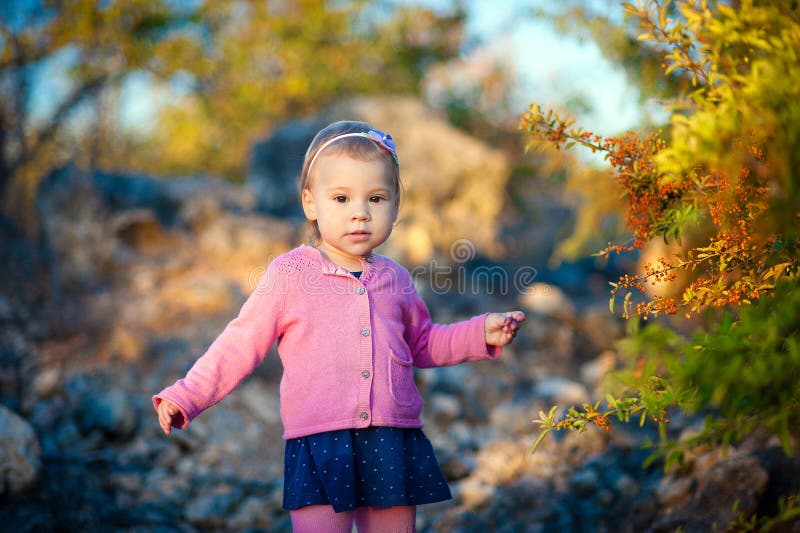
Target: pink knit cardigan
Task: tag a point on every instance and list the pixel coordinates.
(348, 346)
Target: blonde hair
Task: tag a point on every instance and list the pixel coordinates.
(355, 146)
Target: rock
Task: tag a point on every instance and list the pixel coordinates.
(584, 481)
(453, 380)
(252, 513)
(74, 225)
(25, 283)
(738, 478)
(128, 481)
(114, 413)
(581, 446)
(168, 198)
(673, 491)
(211, 510)
(124, 192)
(275, 165)
(20, 461)
(500, 462)
(47, 381)
(547, 300)
(604, 497)
(243, 245)
(706, 461)
(455, 467)
(465, 436)
(445, 407)
(601, 326)
(44, 416)
(515, 418)
(261, 401)
(6, 312)
(162, 486)
(65, 437)
(195, 293)
(473, 492)
(454, 183)
(553, 344)
(454, 452)
(561, 391)
(592, 372)
(626, 486)
(140, 230)
(126, 343)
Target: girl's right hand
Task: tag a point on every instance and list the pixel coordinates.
(166, 411)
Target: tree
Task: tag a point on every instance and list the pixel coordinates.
(240, 67)
(100, 44)
(259, 65)
(726, 168)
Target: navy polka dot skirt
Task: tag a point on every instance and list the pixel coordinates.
(370, 467)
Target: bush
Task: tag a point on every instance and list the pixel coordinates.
(726, 169)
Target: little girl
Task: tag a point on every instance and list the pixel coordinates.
(350, 329)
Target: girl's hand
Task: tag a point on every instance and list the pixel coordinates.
(501, 328)
(166, 411)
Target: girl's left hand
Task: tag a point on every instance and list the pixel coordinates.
(501, 328)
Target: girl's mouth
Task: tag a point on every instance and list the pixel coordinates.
(358, 235)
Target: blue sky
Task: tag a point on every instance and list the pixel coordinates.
(554, 68)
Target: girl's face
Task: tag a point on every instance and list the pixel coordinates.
(354, 204)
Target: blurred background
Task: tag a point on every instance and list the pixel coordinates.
(148, 157)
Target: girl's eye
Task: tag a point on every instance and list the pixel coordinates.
(376, 199)
(340, 198)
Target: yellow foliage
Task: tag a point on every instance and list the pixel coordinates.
(728, 172)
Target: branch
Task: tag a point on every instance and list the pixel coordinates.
(49, 132)
(21, 92)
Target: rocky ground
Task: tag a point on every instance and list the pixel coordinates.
(129, 279)
(103, 464)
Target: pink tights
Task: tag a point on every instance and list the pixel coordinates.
(323, 519)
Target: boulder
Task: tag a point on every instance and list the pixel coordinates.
(20, 461)
(514, 418)
(74, 226)
(732, 485)
(547, 300)
(251, 514)
(189, 200)
(601, 327)
(585, 481)
(592, 372)
(114, 413)
(212, 509)
(562, 391)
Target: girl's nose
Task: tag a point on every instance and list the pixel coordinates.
(361, 212)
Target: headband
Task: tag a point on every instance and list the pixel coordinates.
(384, 140)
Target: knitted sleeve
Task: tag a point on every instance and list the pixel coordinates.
(444, 344)
(234, 354)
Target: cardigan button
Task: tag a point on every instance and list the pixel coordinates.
(361, 290)
(365, 374)
(364, 415)
(365, 332)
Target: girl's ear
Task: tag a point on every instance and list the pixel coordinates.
(308, 205)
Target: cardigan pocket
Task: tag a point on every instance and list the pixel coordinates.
(401, 380)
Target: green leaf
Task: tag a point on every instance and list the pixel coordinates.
(539, 440)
